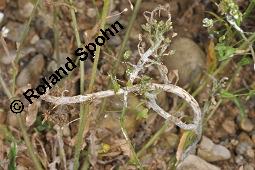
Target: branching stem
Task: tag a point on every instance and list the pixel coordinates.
(136, 88)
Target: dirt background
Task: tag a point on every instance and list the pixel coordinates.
(107, 149)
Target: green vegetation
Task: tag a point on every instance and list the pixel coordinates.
(230, 52)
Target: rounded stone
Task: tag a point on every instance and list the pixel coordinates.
(32, 72)
(246, 125)
(91, 12)
(188, 59)
(212, 152)
(229, 126)
(44, 47)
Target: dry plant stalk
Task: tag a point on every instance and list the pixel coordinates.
(159, 44)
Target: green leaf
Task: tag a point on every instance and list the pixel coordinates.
(226, 94)
(40, 126)
(143, 114)
(190, 138)
(12, 157)
(251, 93)
(232, 97)
(129, 84)
(245, 61)
(240, 107)
(115, 84)
(224, 51)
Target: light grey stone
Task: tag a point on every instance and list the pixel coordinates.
(193, 162)
(188, 59)
(212, 152)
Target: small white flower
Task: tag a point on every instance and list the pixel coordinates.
(208, 23)
(4, 31)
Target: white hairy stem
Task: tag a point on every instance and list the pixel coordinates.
(196, 126)
(141, 65)
(144, 59)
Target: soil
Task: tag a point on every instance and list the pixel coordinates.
(104, 145)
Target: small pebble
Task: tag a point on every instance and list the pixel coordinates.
(66, 131)
(34, 39)
(15, 29)
(32, 72)
(245, 149)
(234, 142)
(244, 137)
(26, 10)
(193, 162)
(248, 167)
(229, 126)
(8, 59)
(12, 54)
(44, 47)
(241, 148)
(20, 167)
(91, 12)
(246, 125)
(250, 153)
(54, 64)
(40, 24)
(212, 152)
(239, 159)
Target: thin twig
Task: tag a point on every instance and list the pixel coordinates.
(61, 145)
(6, 50)
(21, 44)
(84, 110)
(82, 107)
(249, 9)
(5, 87)
(128, 31)
(123, 46)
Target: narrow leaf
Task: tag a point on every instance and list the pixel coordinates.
(245, 61)
(12, 157)
(226, 94)
(240, 107)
